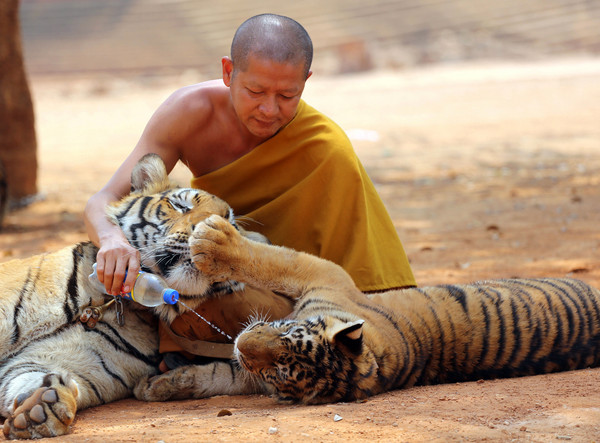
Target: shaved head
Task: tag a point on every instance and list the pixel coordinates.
(272, 37)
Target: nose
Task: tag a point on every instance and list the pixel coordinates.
(268, 106)
(256, 349)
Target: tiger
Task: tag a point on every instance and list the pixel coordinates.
(342, 345)
(52, 361)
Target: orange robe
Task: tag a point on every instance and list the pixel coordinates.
(306, 189)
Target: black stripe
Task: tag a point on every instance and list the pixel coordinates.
(40, 338)
(123, 345)
(485, 343)
(588, 299)
(573, 311)
(495, 298)
(72, 294)
(406, 371)
(441, 344)
(316, 301)
(133, 229)
(93, 387)
(28, 286)
(13, 371)
(16, 335)
(581, 310)
(230, 363)
(554, 314)
(538, 326)
(114, 375)
(561, 331)
(516, 331)
(126, 210)
(459, 296)
(457, 293)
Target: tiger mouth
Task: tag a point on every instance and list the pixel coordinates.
(242, 361)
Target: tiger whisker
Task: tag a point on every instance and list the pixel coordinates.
(244, 220)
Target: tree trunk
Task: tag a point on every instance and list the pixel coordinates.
(17, 131)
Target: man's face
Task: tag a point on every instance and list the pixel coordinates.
(265, 95)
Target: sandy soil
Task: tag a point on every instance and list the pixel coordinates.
(489, 171)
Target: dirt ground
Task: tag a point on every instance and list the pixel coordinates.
(489, 171)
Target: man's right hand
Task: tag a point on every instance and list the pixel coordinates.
(115, 257)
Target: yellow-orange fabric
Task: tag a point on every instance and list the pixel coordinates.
(305, 188)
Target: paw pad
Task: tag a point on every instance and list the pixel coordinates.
(50, 396)
(20, 422)
(37, 414)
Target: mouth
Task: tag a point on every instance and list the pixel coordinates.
(265, 123)
(242, 361)
(167, 261)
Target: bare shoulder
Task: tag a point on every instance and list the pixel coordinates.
(199, 100)
(186, 114)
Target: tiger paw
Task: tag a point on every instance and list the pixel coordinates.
(46, 412)
(162, 387)
(215, 246)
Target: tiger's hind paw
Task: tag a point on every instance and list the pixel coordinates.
(46, 412)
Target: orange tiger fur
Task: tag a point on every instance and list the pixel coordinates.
(343, 345)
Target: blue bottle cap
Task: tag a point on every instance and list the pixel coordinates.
(170, 296)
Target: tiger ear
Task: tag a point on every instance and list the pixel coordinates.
(349, 334)
(150, 175)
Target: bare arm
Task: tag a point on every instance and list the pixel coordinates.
(165, 134)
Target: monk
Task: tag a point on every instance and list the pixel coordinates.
(251, 140)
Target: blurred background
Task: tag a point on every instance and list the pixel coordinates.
(154, 37)
(477, 120)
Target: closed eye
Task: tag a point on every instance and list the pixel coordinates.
(231, 219)
(180, 206)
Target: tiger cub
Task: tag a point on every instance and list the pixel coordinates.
(52, 363)
(343, 345)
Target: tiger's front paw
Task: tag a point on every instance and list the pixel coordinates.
(47, 412)
(215, 245)
(172, 385)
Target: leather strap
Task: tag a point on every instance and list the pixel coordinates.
(202, 347)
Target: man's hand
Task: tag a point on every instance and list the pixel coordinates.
(115, 257)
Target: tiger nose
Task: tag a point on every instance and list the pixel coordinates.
(257, 349)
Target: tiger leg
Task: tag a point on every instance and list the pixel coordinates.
(47, 411)
(222, 253)
(197, 381)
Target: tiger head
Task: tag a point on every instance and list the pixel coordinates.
(158, 218)
(316, 360)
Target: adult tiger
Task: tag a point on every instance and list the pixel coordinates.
(51, 363)
(343, 345)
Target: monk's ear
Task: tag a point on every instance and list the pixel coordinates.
(308, 75)
(227, 65)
